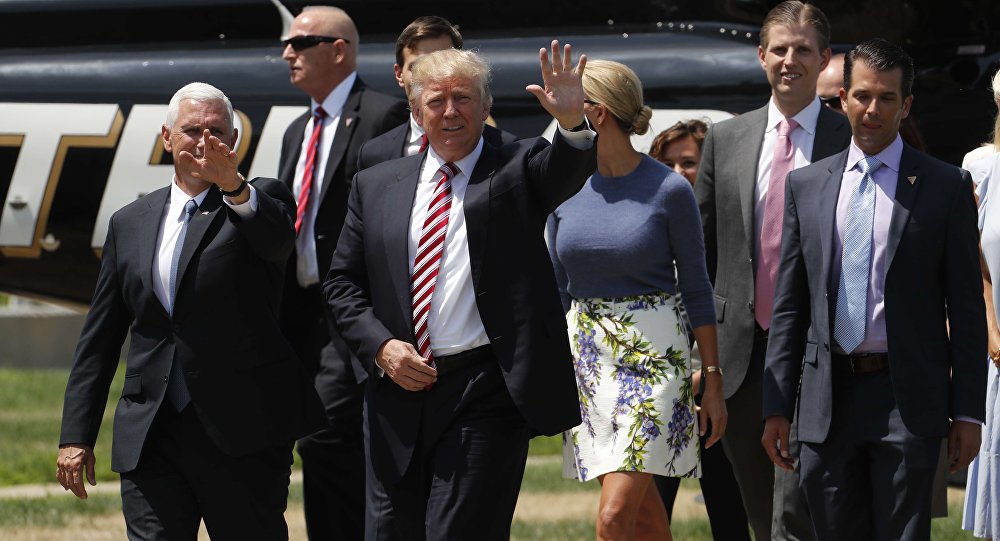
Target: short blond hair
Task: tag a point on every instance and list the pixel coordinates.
(450, 64)
(615, 86)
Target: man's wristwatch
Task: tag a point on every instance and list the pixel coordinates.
(239, 189)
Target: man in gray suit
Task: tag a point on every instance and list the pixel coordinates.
(879, 290)
(743, 159)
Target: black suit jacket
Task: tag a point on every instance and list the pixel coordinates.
(725, 190)
(366, 114)
(392, 144)
(247, 386)
(512, 189)
(932, 283)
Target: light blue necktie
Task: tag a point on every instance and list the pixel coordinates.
(852, 293)
(177, 390)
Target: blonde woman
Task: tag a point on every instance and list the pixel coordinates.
(990, 147)
(615, 246)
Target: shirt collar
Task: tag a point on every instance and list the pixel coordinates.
(415, 130)
(334, 102)
(464, 165)
(178, 197)
(807, 117)
(890, 155)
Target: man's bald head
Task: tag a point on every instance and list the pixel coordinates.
(831, 80)
(318, 67)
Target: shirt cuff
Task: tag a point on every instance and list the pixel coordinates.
(580, 140)
(968, 420)
(246, 209)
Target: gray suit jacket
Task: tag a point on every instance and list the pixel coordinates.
(932, 283)
(725, 192)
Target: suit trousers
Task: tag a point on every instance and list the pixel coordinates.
(333, 482)
(182, 478)
(882, 472)
(771, 495)
(465, 473)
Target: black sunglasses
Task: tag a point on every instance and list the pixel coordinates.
(301, 43)
(833, 102)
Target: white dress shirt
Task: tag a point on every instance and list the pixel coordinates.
(415, 140)
(306, 268)
(170, 229)
(454, 323)
(802, 139)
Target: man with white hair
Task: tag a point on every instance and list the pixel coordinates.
(442, 285)
(214, 396)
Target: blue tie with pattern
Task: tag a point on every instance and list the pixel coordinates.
(855, 267)
(177, 390)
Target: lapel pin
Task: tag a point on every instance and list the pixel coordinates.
(347, 121)
(912, 179)
(205, 212)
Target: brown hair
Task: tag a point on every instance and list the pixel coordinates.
(617, 87)
(429, 26)
(693, 128)
(794, 12)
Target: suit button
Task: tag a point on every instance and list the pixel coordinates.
(750, 305)
(166, 379)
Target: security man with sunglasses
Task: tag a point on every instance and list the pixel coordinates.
(319, 155)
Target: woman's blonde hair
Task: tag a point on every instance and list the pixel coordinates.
(615, 86)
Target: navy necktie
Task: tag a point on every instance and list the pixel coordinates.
(177, 390)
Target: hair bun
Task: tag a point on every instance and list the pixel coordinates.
(640, 123)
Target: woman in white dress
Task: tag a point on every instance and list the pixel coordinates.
(982, 492)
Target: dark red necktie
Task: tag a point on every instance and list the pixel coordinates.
(307, 171)
(428, 259)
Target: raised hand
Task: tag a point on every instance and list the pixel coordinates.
(216, 165)
(562, 95)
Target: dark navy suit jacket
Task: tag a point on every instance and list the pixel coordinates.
(511, 191)
(932, 283)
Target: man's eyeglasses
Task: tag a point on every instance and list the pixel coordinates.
(833, 102)
(301, 43)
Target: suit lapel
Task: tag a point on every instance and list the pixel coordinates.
(211, 208)
(748, 156)
(906, 192)
(828, 194)
(297, 130)
(400, 140)
(396, 208)
(477, 208)
(345, 129)
(149, 233)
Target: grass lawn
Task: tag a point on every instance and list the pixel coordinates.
(31, 408)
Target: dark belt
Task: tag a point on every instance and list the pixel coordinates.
(447, 364)
(863, 363)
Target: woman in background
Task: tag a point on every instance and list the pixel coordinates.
(615, 246)
(679, 147)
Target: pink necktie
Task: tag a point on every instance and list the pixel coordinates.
(307, 172)
(770, 227)
(428, 259)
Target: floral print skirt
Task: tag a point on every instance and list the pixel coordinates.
(633, 373)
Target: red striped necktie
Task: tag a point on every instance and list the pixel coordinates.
(423, 143)
(302, 204)
(428, 259)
